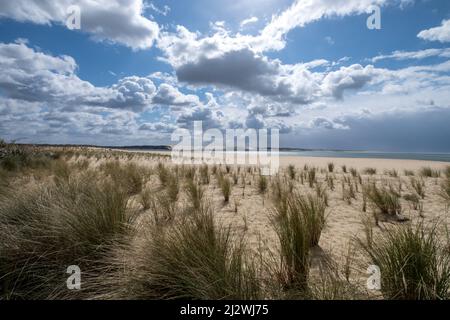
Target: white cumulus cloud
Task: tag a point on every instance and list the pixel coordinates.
(441, 33)
(115, 21)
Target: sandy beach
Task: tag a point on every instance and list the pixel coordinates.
(158, 189)
(360, 163)
(344, 219)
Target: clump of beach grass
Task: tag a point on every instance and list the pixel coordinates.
(447, 172)
(298, 223)
(225, 187)
(419, 186)
(330, 182)
(172, 187)
(294, 237)
(321, 192)
(204, 174)
(312, 177)
(313, 208)
(330, 167)
(409, 173)
(413, 199)
(262, 184)
(4, 180)
(163, 173)
(280, 191)
(193, 260)
(235, 178)
(428, 172)
(391, 173)
(370, 171)
(414, 264)
(145, 198)
(347, 193)
(333, 281)
(195, 194)
(49, 227)
(128, 177)
(163, 208)
(445, 190)
(17, 158)
(291, 172)
(385, 200)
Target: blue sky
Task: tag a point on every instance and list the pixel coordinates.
(137, 70)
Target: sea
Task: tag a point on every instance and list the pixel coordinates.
(443, 157)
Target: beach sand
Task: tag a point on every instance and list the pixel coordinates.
(248, 214)
(344, 220)
(362, 163)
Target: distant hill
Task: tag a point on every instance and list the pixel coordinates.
(164, 148)
(143, 148)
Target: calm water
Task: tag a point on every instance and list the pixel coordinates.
(445, 157)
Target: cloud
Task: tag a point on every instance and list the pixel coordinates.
(316, 63)
(115, 21)
(35, 122)
(441, 33)
(164, 77)
(162, 11)
(423, 130)
(10, 108)
(348, 78)
(210, 118)
(255, 121)
(258, 121)
(248, 21)
(170, 96)
(249, 72)
(236, 62)
(238, 69)
(132, 93)
(270, 110)
(43, 95)
(33, 76)
(324, 123)
(28, 60)
(414, 55)
(302, 13)
(183, 46)
(283, 127)
(158, 127)
(330, 40)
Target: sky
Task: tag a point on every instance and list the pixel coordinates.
(136, 70)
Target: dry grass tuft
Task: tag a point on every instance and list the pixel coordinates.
(413, 263)
(193, 260)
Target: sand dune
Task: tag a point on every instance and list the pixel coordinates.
(250, 213)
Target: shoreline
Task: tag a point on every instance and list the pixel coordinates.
(357, 163)
(362, 163)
